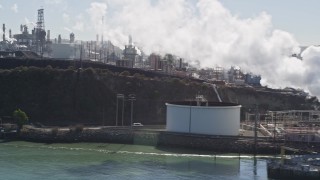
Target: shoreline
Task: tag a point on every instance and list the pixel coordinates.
(216, 144)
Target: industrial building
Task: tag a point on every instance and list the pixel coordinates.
(65, 51)
(130, 55)
(203, 117)
(38, 40)
(253, 80)
(289, 125)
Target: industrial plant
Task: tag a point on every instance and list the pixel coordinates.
(37, 43)
(198, 117)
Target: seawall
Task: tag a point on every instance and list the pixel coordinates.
(219, 144)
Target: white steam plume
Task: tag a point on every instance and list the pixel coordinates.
(29, 23)
(311, 63)
(208, 32)
(96, 12)
(14, 8)
(67, 29)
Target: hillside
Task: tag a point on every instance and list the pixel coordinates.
(56, 96)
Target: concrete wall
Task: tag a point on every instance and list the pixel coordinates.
(211, 120)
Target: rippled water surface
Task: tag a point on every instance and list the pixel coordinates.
(24, 160)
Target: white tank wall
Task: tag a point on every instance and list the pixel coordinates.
(178, 119)
(211, 120)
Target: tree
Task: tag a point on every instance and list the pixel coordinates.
(20, 117)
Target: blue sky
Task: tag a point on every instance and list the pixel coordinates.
(297, 17)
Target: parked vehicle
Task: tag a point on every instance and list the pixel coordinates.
(137, 124)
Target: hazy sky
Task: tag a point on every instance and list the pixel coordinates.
(298, 17)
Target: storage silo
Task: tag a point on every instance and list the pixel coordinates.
(210, 118)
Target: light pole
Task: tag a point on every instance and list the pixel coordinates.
(255, 129)
(119, 96)
(132, 97)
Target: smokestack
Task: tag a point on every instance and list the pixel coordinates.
(130, 40)
(59, 39)
(180, 63)
(4, 32)
(71, 37)
(97, 38)
(48, 35)
(10, 34)
(102, 30)
(102, 39)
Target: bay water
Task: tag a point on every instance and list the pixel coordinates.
(26, 160)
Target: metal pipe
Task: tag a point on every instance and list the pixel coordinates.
(117, 112)
(131, 112)
(122, 110)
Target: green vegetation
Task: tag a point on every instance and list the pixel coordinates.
(125, 73)
(20, 117)
(77, 128)
(54, 131)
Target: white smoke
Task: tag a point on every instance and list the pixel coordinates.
(29, 23)
(208, 32)
(97, 11)
(79, 26)
(66, 17)
(14, 8)
(67, 29)
(311, 63)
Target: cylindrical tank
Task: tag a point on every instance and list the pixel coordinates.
(212, 118)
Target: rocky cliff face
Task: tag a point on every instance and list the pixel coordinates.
(55, 96)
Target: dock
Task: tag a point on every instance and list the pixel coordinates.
(294, 167)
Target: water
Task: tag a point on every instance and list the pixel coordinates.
(24, 160)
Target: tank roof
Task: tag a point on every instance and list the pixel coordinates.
(210, 103)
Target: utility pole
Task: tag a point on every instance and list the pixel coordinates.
(81, 55)
(132, 97)
(119, 96)
(274, 129)
(95, 52)
(255, 129)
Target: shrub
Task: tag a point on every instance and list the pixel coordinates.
(89, 71)
(156, 78)
(77, 128)
(176, 80)
(125, 73)
(137, 76)
(54, 131)
(20, 117)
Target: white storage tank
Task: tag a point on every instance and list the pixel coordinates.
(211, 118)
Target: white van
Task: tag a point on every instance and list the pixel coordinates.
(137, 124)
